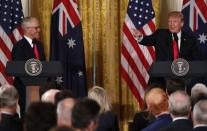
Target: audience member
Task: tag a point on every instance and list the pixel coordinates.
(200, 116)
(108, 120)
(180, 109)
(8, 103)
(62, 94)
(49, 96)
(85, 115)
(157, 104)
(174, 84)
(198, 92)
(64, 110)
(40, 116)
(143, 118)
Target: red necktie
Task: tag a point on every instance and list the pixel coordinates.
(175, 46)
(36, 51)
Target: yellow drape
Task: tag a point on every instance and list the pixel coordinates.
(102, 22)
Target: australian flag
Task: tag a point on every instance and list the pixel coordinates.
(195, 17)
(67, 46)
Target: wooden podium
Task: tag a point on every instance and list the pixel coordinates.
(33, 83)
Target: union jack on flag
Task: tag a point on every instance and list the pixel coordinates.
(135, 58)
(67, 46)
(195, 17)
(11, 16)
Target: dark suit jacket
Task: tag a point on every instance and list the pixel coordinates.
(10, 123)
(108, 122)
(23, 51)
(201, 128)
(159, 122)
(141, 120)
(179, 125)
(162, 41)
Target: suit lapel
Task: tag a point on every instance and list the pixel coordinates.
(28, 49)
(182, 44)
(170, 46)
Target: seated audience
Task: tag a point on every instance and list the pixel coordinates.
(108, 120)
(62, 94)
(85, 115)
(200, 116)
(64, 110)
(49, 95)
(198, 92)
(40, 116)
(10, 120)
(180, 109)
(143, 118)
(157, 104)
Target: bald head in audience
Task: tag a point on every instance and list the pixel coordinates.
(49, 96)
(157, 101)
(64, 110)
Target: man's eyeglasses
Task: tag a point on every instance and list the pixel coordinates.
(35, 27)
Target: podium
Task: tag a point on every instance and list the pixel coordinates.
(33, 83)
(163, 69)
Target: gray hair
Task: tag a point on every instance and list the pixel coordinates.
(198, 91)
(200, 112)
(179, 104)
(26, 21)
(8, 96)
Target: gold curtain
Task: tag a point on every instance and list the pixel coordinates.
(102, 22)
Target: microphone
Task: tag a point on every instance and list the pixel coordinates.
(175, 36)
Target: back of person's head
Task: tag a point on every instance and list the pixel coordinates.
(40, 116)
(198, 92)
(8, 96)
(49, 96)
(65, 93)
(85, 114)
(157, 101)
(179, 104)
(100, 96)
(174, 84)
(64, 112)
(200, 112)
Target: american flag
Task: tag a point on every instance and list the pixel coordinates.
(67, 46)
(11, 16)
(195, 15)
(136, 59)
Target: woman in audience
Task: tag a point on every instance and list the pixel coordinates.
(108, 120)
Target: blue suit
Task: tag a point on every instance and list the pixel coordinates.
(159, 122)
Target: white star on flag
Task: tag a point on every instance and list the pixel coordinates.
(59, 80)
(202, 38)
(71, 43)
(80, 73)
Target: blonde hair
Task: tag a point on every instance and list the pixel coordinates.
(157, 101)
(100, 96)
(177, 14)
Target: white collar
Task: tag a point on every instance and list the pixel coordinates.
(29, 40)
(200, 125)
(179, 118)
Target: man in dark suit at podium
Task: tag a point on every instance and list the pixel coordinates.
(28, 47)
(171, 43)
